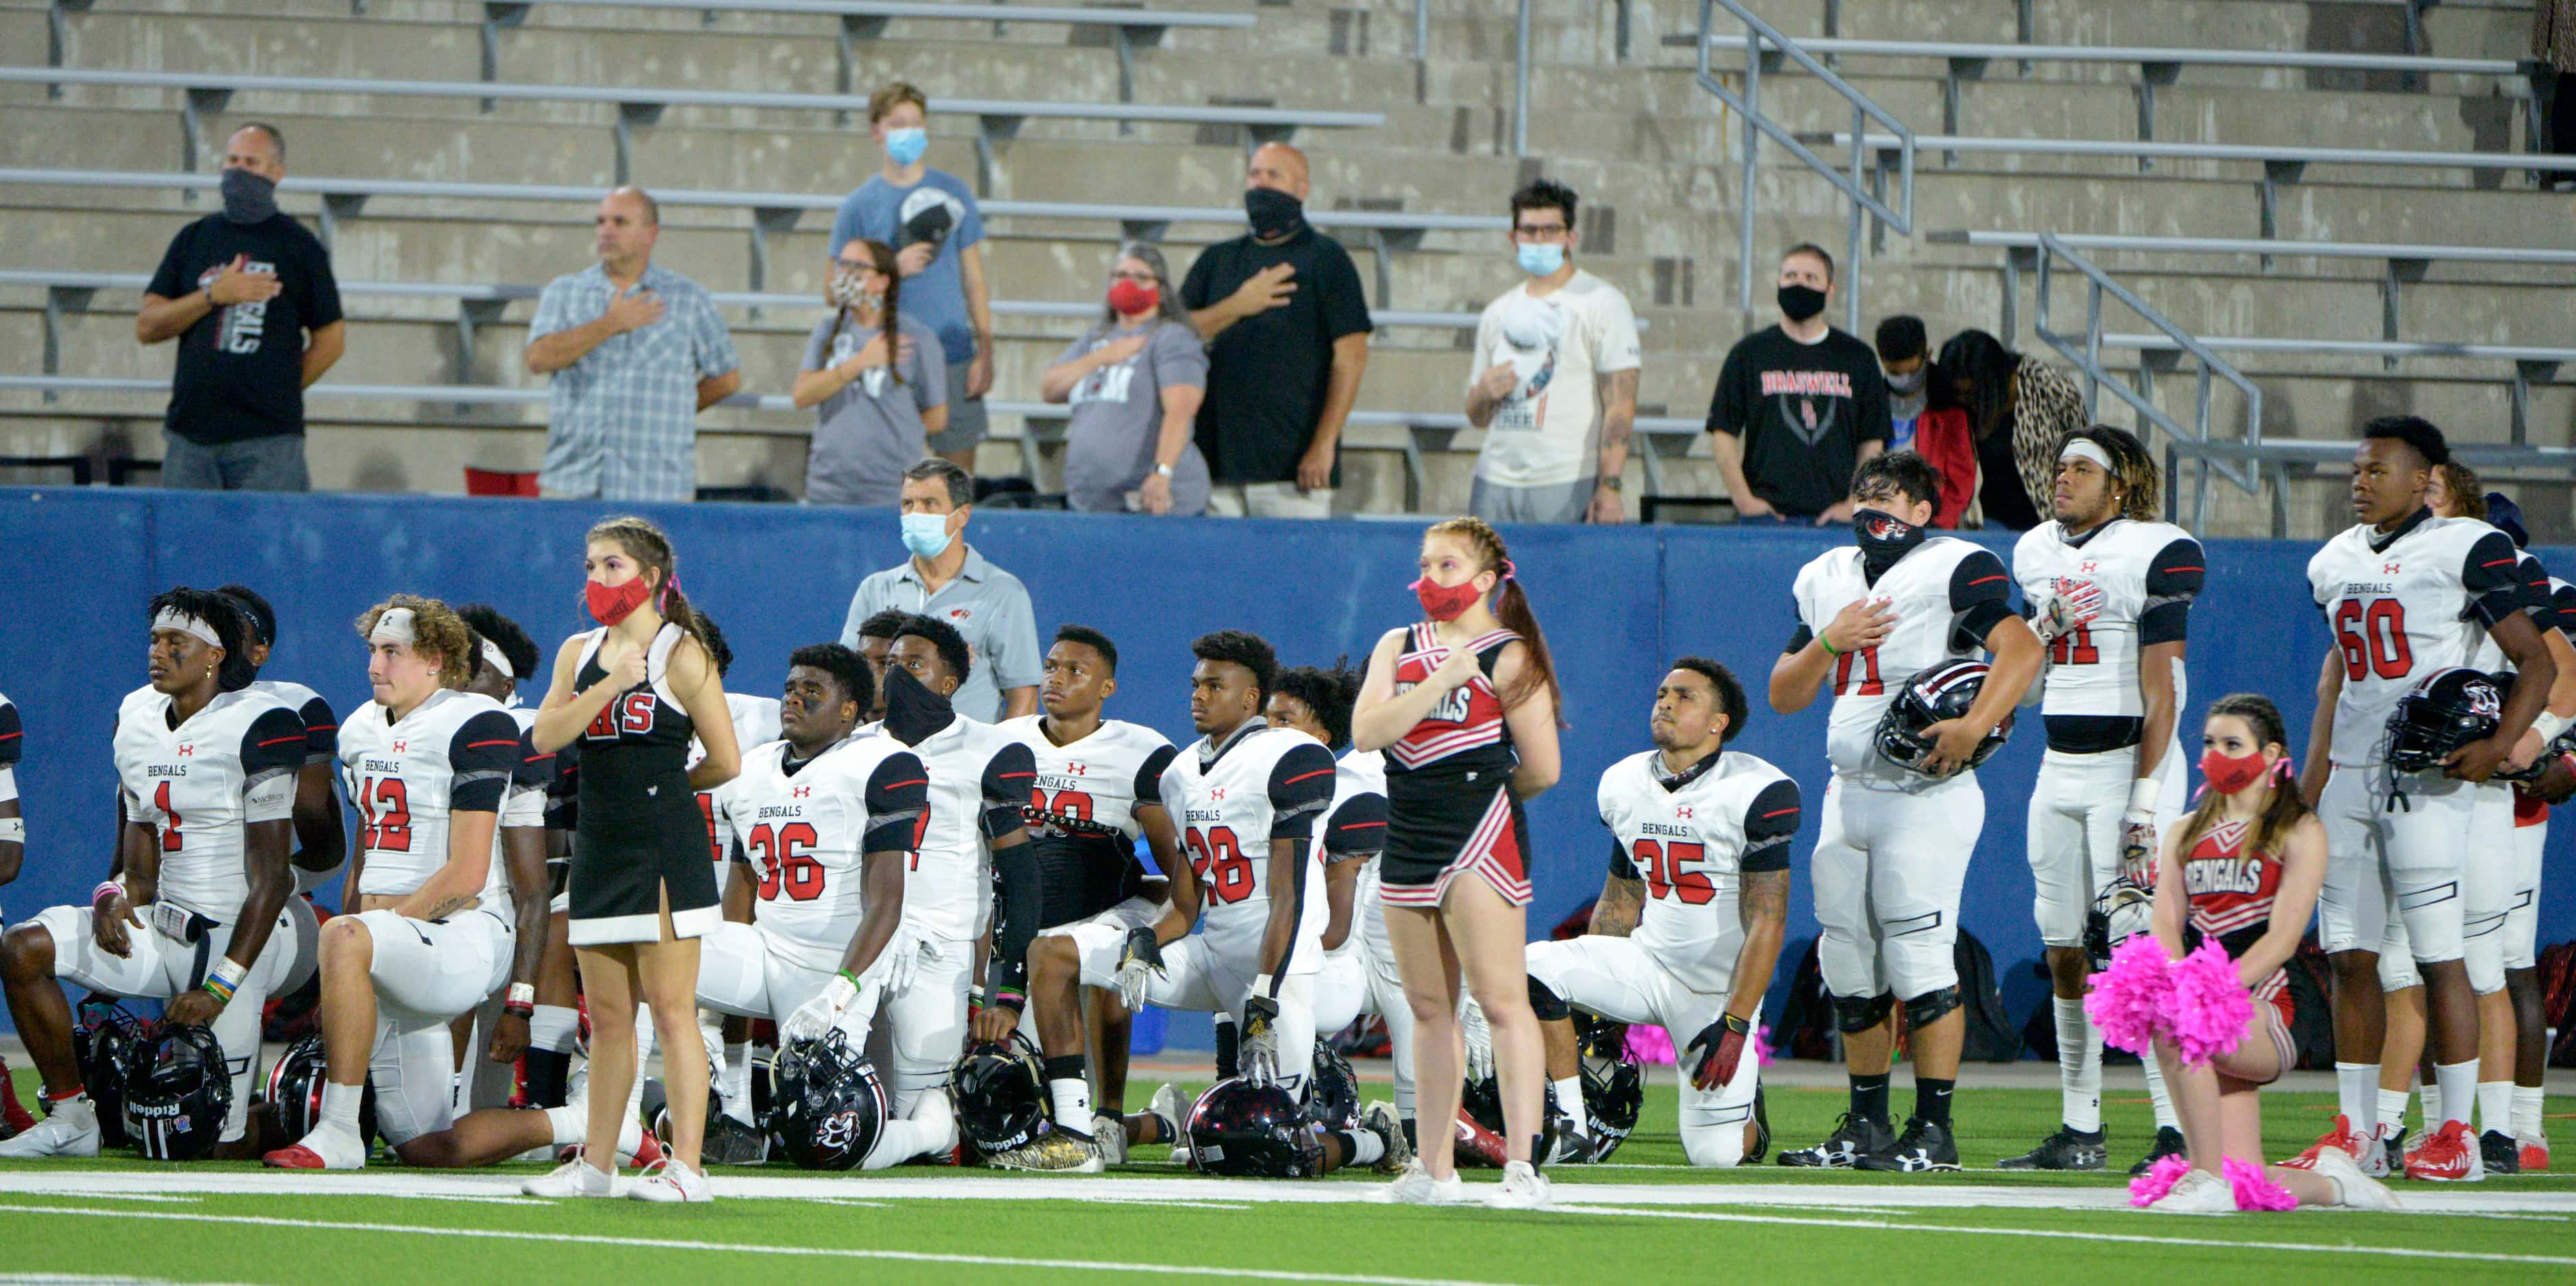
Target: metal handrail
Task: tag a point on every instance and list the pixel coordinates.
(2193, 440)
(1749, 105)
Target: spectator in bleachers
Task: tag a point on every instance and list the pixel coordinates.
(2020, 411)
(1135, 382)
(1798, 406)
(1555, 379)
(876, 378)
(930, 219)
(946, 578)
(1287, 328)
(249, 295)
(1924, 417)
(635, 352)
(1905, 361)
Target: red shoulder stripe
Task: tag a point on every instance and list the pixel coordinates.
(1320, 772)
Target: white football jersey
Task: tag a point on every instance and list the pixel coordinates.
(2403, 605)
(1082, 812)
(980, 778)
(2147, 573)
(1352, 828)
(321, 727)
(1946, 593)
(1690, 839)
(755, 722)
(2539, 592)
(804, 827)
(12, 744)
(455, 752)
(232, 764)
(525, 805)
(1231, 801)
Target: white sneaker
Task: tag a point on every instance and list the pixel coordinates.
(69, 1130)
(1416, 1187)
(669, 1180)
(1523, 1188)
(2203, 1193)
(1111, 1134)
(2354, 1190)
(574, 1178)
(1382, 1115)
(1167, 1104)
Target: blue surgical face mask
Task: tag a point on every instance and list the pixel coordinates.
(926, 535)
(905, 146)
(1541, 259)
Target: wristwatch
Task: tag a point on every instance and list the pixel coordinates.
(1615, 483)
(1163, 469)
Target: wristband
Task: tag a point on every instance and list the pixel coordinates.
(522, 993)
(2548, 726)
(13, 830)
(518, 1009)
(2144, 794)
(105, 890)
(1265, 985)
(224, 980)
(1007, 999)
(1828, 645)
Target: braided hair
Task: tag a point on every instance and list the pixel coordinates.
(880, 259)
(1511, 608)
(2284, 809)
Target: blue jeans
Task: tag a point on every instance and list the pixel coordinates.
(273, 463)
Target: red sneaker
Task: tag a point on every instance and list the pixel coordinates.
(2341, 1136)
(298, 1157)
(2446, 1157)
(1478, 1146)
(2535, 1155)
(14, 1118)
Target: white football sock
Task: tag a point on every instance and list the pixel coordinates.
(2392, 1113)
(2459, 1086)
(2160, 1098)
(2357, 1096)
(1366, 1147)
(643, 1058)
(2495, 1106)
(340, 1106)
(737, 1082)
(1072, 1098)
(552, 1028)
(1569, 1100)
(2079, 1066)
(2526, 1112)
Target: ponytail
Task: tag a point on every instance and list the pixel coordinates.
(651, 549)
(1512, 610)
(881, 260)
(2284, 809)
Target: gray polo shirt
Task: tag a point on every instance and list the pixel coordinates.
(986, 604)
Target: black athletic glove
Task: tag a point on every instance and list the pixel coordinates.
(1606, 1039)
(1720, 1047)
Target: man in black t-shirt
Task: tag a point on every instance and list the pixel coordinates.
(1798, 406)
(1287, 330)
(249, 295)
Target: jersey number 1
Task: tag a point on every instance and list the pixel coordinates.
(169, 833)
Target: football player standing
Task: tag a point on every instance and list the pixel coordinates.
(2109, 590)
(1894, 852)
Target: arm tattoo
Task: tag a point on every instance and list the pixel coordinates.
(1762, 895)
(1615, 915)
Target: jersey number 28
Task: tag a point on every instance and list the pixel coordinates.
(1224, 873)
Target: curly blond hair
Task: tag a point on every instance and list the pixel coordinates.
(436, 630)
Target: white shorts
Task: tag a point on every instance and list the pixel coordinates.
(739, 973)
(427, 973)
(161, 967)
(1193, 979)
(2074, 831)
(1134, 913)
(1341, 989)
(2522, 918)
(1888, 870)
(924, 1031)
(1618, 979)
(2381, 853)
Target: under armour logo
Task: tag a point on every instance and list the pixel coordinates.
(801, 792)
(401, 746)
(1077, 769)
(1682, 812)
(186, 750)
(1216, 792)
(2089, 566)
(2388, 569)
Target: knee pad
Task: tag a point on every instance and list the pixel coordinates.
(2397, 972)
(1859, 1014)
(1924, 1010)
(1546, 1004)
(1714, 1147)
(2484, 956)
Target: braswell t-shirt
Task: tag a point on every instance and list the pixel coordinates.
(1802, 411)
(240, 370)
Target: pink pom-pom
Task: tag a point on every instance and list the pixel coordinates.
(2209, 1008)
(2149, 1188)
(2256, 1191)
(1653, 1046)
(1762, 1045)
(2129, 999)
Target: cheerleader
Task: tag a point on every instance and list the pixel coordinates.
(632, 693)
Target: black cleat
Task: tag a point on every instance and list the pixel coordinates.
(1852, 1139)
(2168, 1144)
(730, 1142)
(2501, 1153)
(1923, 1146)
(1761, 1131)
(2068, 1149)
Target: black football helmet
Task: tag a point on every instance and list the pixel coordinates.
(828, 1106)
(1332, 1091)
(1482, 1101)
(295, 1092)
(2452, 707)
(1253, 1130)
(103, 1039)
(999, 1090)
(1935, 695)
(178, 1089)
(1614, 1093)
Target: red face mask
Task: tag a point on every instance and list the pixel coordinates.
(609, 606)
(1445, 602)
(1127, 299)
(2231, 776)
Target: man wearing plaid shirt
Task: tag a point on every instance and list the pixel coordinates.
(636, 352)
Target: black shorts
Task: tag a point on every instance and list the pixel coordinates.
(1435, 833)
(619, 876)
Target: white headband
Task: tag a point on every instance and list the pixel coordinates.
(493, 658)
(173, 619)
(393, 627)
(2088, 449)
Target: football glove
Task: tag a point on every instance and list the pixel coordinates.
(821, 1014)
(2070, 605)
(1720, 1047)
(1140, 955)
(1479, 1040)
(1259, 1047)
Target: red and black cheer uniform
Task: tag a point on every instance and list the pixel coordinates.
(1449, 804)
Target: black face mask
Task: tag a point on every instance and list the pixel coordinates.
(248, 197)
(1798, 303)
(1274, 213)
(912, 710)
(1883, 539)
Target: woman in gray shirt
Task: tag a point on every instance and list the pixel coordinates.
(877, 380)
(1134, 382)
